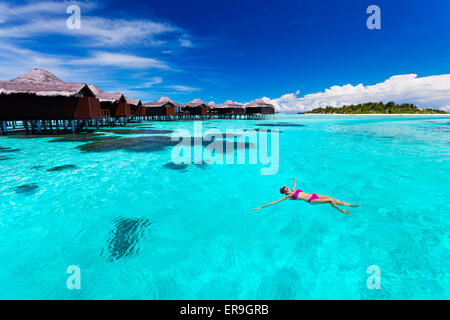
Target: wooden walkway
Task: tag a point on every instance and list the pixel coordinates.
(75, 126)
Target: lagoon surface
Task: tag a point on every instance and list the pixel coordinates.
(141, 227)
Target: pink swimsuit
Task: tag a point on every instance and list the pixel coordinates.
(296, 193)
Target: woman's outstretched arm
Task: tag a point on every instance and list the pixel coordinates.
(295, 184)
(271, 203)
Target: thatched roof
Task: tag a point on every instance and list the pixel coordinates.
(95, 89)
(161, 102)
(135, 102)
(53, 89)
(230, 104)
(258, 103)
(106, 96)
(110, 96)
(43, 83)
(195, 103)
(167, 99)
(38, 76)
(164, 99)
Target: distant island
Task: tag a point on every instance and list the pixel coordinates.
(377, 108)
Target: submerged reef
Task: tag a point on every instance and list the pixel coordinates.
(8, 150)
(151, 144)
(125, 236)
(62, 168)
(27, 189)
(177, 167)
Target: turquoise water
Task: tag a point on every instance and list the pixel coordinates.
(141, 228)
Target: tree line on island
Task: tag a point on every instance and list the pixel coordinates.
(377, 107)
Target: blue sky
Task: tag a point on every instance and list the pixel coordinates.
(219, 50)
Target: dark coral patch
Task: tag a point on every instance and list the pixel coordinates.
(184, 167)
(8, 150)
(267, 130)
(150, 144)
(138, 144)
(62, 168)
(27, 189)
(125, 237)
(177, 167)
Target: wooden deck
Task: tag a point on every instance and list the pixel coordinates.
(51, 126)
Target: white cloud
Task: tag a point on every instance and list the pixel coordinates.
(185, 43)
(150, 83)
(95, 31)
(117, 32)
(432, 91)
(15, 61)
(184, 89)
(101, 58)
(23, 12)
(49, 18)
(153, 81)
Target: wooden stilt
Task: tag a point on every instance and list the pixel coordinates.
(3, 127)
(25, 125)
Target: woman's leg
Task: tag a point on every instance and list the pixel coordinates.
(338, 202)
(333, 204)
(325, 199)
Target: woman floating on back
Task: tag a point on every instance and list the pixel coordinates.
(297, 194)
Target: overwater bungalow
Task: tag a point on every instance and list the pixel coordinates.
(162, 108)
(230, 109)
(136, 107)
(259, 107)
(114, 102)
(196, 107)
(212, 109)
(40, 96)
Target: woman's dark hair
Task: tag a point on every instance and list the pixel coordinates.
(281, 189)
